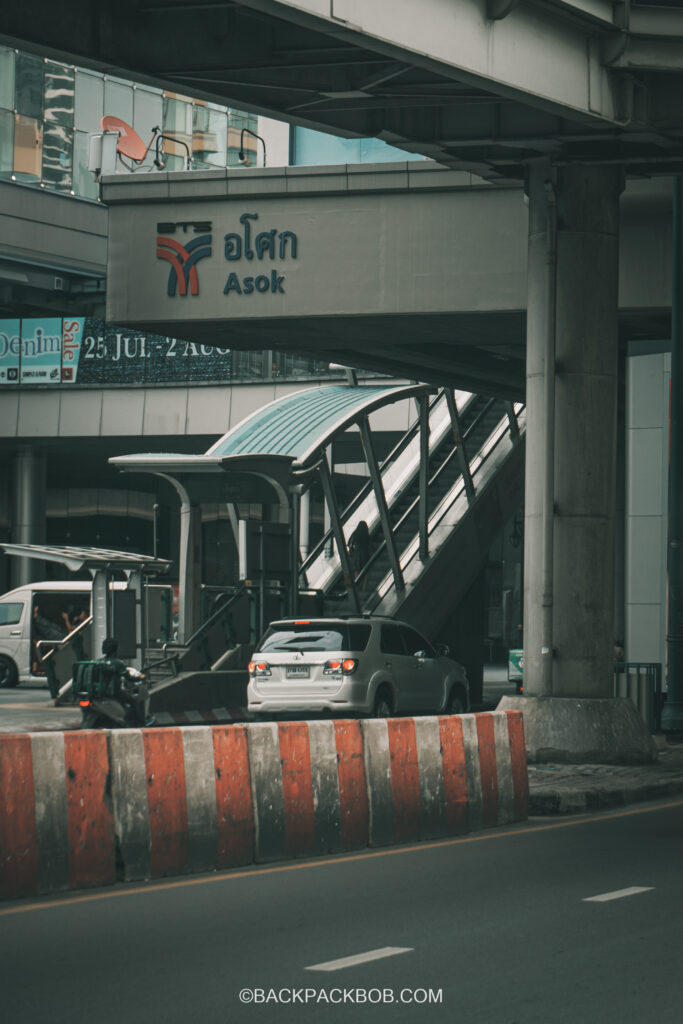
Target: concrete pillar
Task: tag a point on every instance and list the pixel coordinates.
(28, 513)
(584, 428)
(570, 713)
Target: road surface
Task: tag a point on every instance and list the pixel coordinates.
(501, 927)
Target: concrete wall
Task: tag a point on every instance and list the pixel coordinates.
(150, 412)
(88, 808)
(50, 230)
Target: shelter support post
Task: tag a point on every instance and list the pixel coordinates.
(28, 521)
(189, 569)
(136, 584)
(380, 498)
(672, 712)
(243, 570)
(569, 711)
(305, 524)
(294, 527)
(101, 609)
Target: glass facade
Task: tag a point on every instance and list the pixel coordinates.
(311, 148)
(49, 110)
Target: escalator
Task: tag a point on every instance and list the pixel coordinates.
(475, 472)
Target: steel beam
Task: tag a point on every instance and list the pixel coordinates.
(331, 502)
(380, 498)
(512, 420)
(461, 451)
(423, 513)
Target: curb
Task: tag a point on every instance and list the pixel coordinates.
(568, 801)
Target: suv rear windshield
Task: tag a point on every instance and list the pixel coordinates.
(316, 636)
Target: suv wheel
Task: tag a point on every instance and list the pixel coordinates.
(383, 704)
(456, 704)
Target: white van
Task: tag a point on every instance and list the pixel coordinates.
(50, 611)
(33, 612)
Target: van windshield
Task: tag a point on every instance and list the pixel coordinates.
(316, 636)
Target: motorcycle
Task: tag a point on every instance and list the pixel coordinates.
(128, 709)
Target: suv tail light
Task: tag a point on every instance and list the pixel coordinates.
(259, 668)
(335, 666)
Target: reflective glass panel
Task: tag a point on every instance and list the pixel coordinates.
(209, 137)
(147, 114)
(59, 94)
(237, 120)
(118, 100)
(28, 89)
(6, 143)
(84, 183)
(28, 148)
(6, 78)
(89, 101)
(178, 125)
(57, 157)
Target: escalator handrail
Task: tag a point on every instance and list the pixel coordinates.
(454, 491)
(366, 489)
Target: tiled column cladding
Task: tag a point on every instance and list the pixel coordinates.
(81, 809)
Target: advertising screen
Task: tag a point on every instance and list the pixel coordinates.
(80, 350)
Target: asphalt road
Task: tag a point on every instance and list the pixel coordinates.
(28, 707)
(496, 925)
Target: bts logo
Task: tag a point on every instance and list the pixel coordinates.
(183, 258)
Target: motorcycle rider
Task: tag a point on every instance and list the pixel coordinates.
(129, 697)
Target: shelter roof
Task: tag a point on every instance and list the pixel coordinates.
(76, 558)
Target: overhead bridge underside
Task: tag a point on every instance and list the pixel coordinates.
(480, 85)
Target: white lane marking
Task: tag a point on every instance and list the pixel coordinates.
(360, 958)
(618, 894)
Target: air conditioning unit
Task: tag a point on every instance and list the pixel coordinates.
(102, 154)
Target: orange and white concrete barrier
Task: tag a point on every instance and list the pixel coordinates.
(85, 809)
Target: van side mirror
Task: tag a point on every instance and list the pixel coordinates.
(443, 650)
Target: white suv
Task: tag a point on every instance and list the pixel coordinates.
(353, 665)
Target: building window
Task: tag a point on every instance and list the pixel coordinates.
(6, 143)
(6, 78)
(89, 101)
(28, 148)
(28, 85)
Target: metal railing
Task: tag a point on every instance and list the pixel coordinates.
(642, 682)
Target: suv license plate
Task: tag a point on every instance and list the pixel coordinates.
(297, 671)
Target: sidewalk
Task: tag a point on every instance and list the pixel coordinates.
(574, 789)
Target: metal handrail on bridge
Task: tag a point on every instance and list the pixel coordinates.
(459, 487)
(366, 490)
